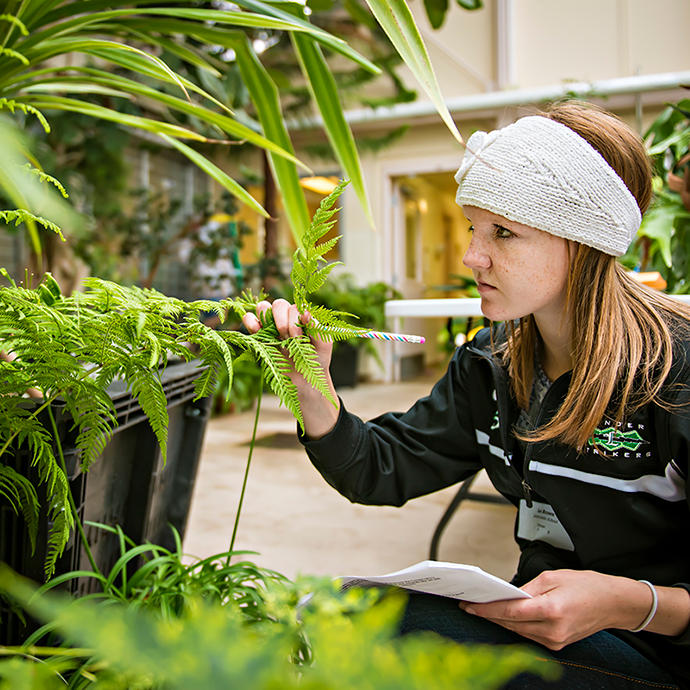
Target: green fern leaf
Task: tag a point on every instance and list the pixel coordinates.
(21, 495)
(20, 216)
(14, 54)
(307, 257)
(93, 413)
(59, 513)
(146, 386)
(35, 173)
(9, 104)
(306, 363)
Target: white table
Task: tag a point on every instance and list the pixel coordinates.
(434, 308)
(460, 306)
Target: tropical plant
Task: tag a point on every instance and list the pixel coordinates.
(36, 77)
(663, 242)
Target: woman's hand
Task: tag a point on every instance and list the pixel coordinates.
(569, 605)
(319, 415)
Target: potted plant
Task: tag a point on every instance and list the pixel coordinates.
(663, 238)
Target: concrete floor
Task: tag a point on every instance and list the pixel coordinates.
(299, 524)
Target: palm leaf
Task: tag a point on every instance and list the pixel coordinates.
(324, 91)
(397, 21)
(265, 95)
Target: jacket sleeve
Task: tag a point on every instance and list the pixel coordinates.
(678, 435)
(399, 456)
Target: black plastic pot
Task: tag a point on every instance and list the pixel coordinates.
(128, 486)
(344, 365)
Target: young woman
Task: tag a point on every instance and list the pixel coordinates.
(577, 406)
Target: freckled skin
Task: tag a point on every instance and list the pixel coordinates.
(520, 270)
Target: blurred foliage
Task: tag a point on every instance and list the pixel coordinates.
(663, 241)
(351, 643)
(436, 10)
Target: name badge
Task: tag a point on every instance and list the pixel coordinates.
(540, 523)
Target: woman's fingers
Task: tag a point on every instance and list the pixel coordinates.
(251, 323)
(285, 316)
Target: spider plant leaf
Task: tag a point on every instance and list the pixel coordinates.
(94, 110)
(397, 21)
(226, 124)
(264, 93)
(332, 42)
(72, 86)
(325, 93)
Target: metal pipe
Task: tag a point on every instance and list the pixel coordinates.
(501, 99)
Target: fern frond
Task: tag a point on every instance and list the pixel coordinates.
(207, 305)
(206, 383)
(276, 370)
(21, 215)
(16, 21)
(306, 363)
(16, 55)
(147, 388)
(306, 276)
(246, 302)
(21, 495)
(93, 413)
(35, 173)
(214, 353)
(57, 487)
(9, 104)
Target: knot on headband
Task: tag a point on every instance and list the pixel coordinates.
(540, 173)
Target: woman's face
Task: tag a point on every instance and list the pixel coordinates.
(519, 270)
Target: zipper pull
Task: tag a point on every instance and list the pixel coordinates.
(527, 492)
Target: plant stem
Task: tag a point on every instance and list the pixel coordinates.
(246, 471)
(46, 651)
(77, 519)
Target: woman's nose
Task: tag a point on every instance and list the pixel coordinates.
(476, 255)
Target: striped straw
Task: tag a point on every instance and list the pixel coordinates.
(380, 335)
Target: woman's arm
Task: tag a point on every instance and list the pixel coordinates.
(569, 605)
(398, 455)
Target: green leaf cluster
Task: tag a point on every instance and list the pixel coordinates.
(214, 647)
(70, 349)
(118, 48)
(663, 240)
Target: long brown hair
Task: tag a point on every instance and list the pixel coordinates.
(622, 331)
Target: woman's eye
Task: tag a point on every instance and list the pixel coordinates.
(502, 233)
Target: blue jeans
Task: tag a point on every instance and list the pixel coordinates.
(599, 662)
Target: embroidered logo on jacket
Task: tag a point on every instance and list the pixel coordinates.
(611, 439)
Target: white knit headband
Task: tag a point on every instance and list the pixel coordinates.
(540, 173)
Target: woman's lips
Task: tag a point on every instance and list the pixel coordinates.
(484, 287)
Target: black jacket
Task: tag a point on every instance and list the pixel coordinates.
(624, 514)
